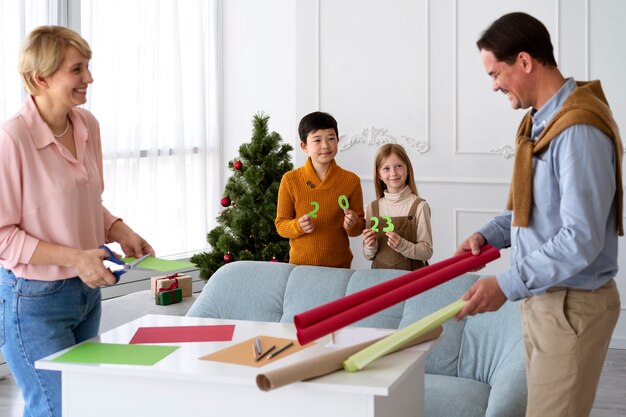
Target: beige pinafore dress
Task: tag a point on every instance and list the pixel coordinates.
(406, 227)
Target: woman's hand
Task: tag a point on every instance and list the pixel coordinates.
(132, 244)
(91, 270)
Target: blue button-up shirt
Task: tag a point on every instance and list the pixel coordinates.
(571, 238)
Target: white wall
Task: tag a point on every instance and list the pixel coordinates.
(409, 71)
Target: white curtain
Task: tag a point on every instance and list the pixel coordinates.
(156, 96)
(16, 19)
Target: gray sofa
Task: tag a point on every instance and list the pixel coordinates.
(476, 370)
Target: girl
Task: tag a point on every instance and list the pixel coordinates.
(398, 233)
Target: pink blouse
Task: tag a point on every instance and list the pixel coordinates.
(46, 194)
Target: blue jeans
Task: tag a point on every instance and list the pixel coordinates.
(37, 319)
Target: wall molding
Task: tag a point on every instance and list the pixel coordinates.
(373, 136)
(453, 180)
(376, 136)
(502, 150)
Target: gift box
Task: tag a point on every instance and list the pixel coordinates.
(165, 281)
(165, 297)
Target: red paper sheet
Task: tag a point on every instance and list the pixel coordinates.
(325, 319)
(181, 334)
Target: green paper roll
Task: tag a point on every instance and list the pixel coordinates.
(403, 336)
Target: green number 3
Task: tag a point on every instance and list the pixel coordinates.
(389, 227)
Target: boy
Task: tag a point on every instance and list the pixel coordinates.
(320, 204)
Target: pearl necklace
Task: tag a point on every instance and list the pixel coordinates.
(67, 126)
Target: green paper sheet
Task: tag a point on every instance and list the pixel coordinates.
(116, 354)
(162, 265)
(401, 337)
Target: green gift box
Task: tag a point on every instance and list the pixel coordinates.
(166, 297)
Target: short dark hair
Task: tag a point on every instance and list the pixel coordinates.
(315, 121)
(518, 32)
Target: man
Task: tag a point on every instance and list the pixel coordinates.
(562, 221)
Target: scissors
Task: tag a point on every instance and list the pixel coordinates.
(125, 266)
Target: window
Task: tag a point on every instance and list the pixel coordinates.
(155, 94)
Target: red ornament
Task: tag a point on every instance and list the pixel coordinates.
(274, 259)
(228, 257)
(225, 202)
(238, 165)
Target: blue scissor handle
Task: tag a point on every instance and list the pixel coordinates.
(111, 257)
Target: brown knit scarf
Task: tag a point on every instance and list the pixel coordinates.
(586, 105)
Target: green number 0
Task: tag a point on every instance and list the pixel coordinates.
(343, 202)
(390, 226)
(374, 224)
(313, 212)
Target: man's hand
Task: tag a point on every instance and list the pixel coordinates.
(485, 295)
(473, 243)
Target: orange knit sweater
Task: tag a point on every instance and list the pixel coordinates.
(328, 245)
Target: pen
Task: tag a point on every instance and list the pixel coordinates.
(258, 346)
(271, 348)
(282, 349)
(254, 351)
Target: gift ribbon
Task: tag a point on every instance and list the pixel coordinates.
(327, 318)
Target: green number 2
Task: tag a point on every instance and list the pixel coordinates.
(374, 224)
(313, 212)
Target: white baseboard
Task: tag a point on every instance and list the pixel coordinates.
(618, 343)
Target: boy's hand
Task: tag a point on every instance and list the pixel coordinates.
(306, 224)
(349, 218)
(393, 239)
(369, 237)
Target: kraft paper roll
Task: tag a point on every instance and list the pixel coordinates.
(392, 342)
(325, 363)
(321, 324)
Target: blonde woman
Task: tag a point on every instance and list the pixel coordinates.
(52, 220)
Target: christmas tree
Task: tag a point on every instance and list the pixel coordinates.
(246, 228)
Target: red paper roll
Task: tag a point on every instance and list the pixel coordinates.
(325, 319)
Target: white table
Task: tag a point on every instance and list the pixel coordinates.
(183, 385)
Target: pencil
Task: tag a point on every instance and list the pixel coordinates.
(282, 349)
(254, 351)
(271, 348)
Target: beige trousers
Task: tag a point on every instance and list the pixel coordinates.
(566, 335)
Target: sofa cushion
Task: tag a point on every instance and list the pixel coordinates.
(443, 360)
(311, 286)
(241, 291)
(463, 397)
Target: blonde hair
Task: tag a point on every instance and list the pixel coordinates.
(383, 153)
(44, 51)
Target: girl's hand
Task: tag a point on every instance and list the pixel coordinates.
(393, 239)
(306, 224)
(369, 237)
